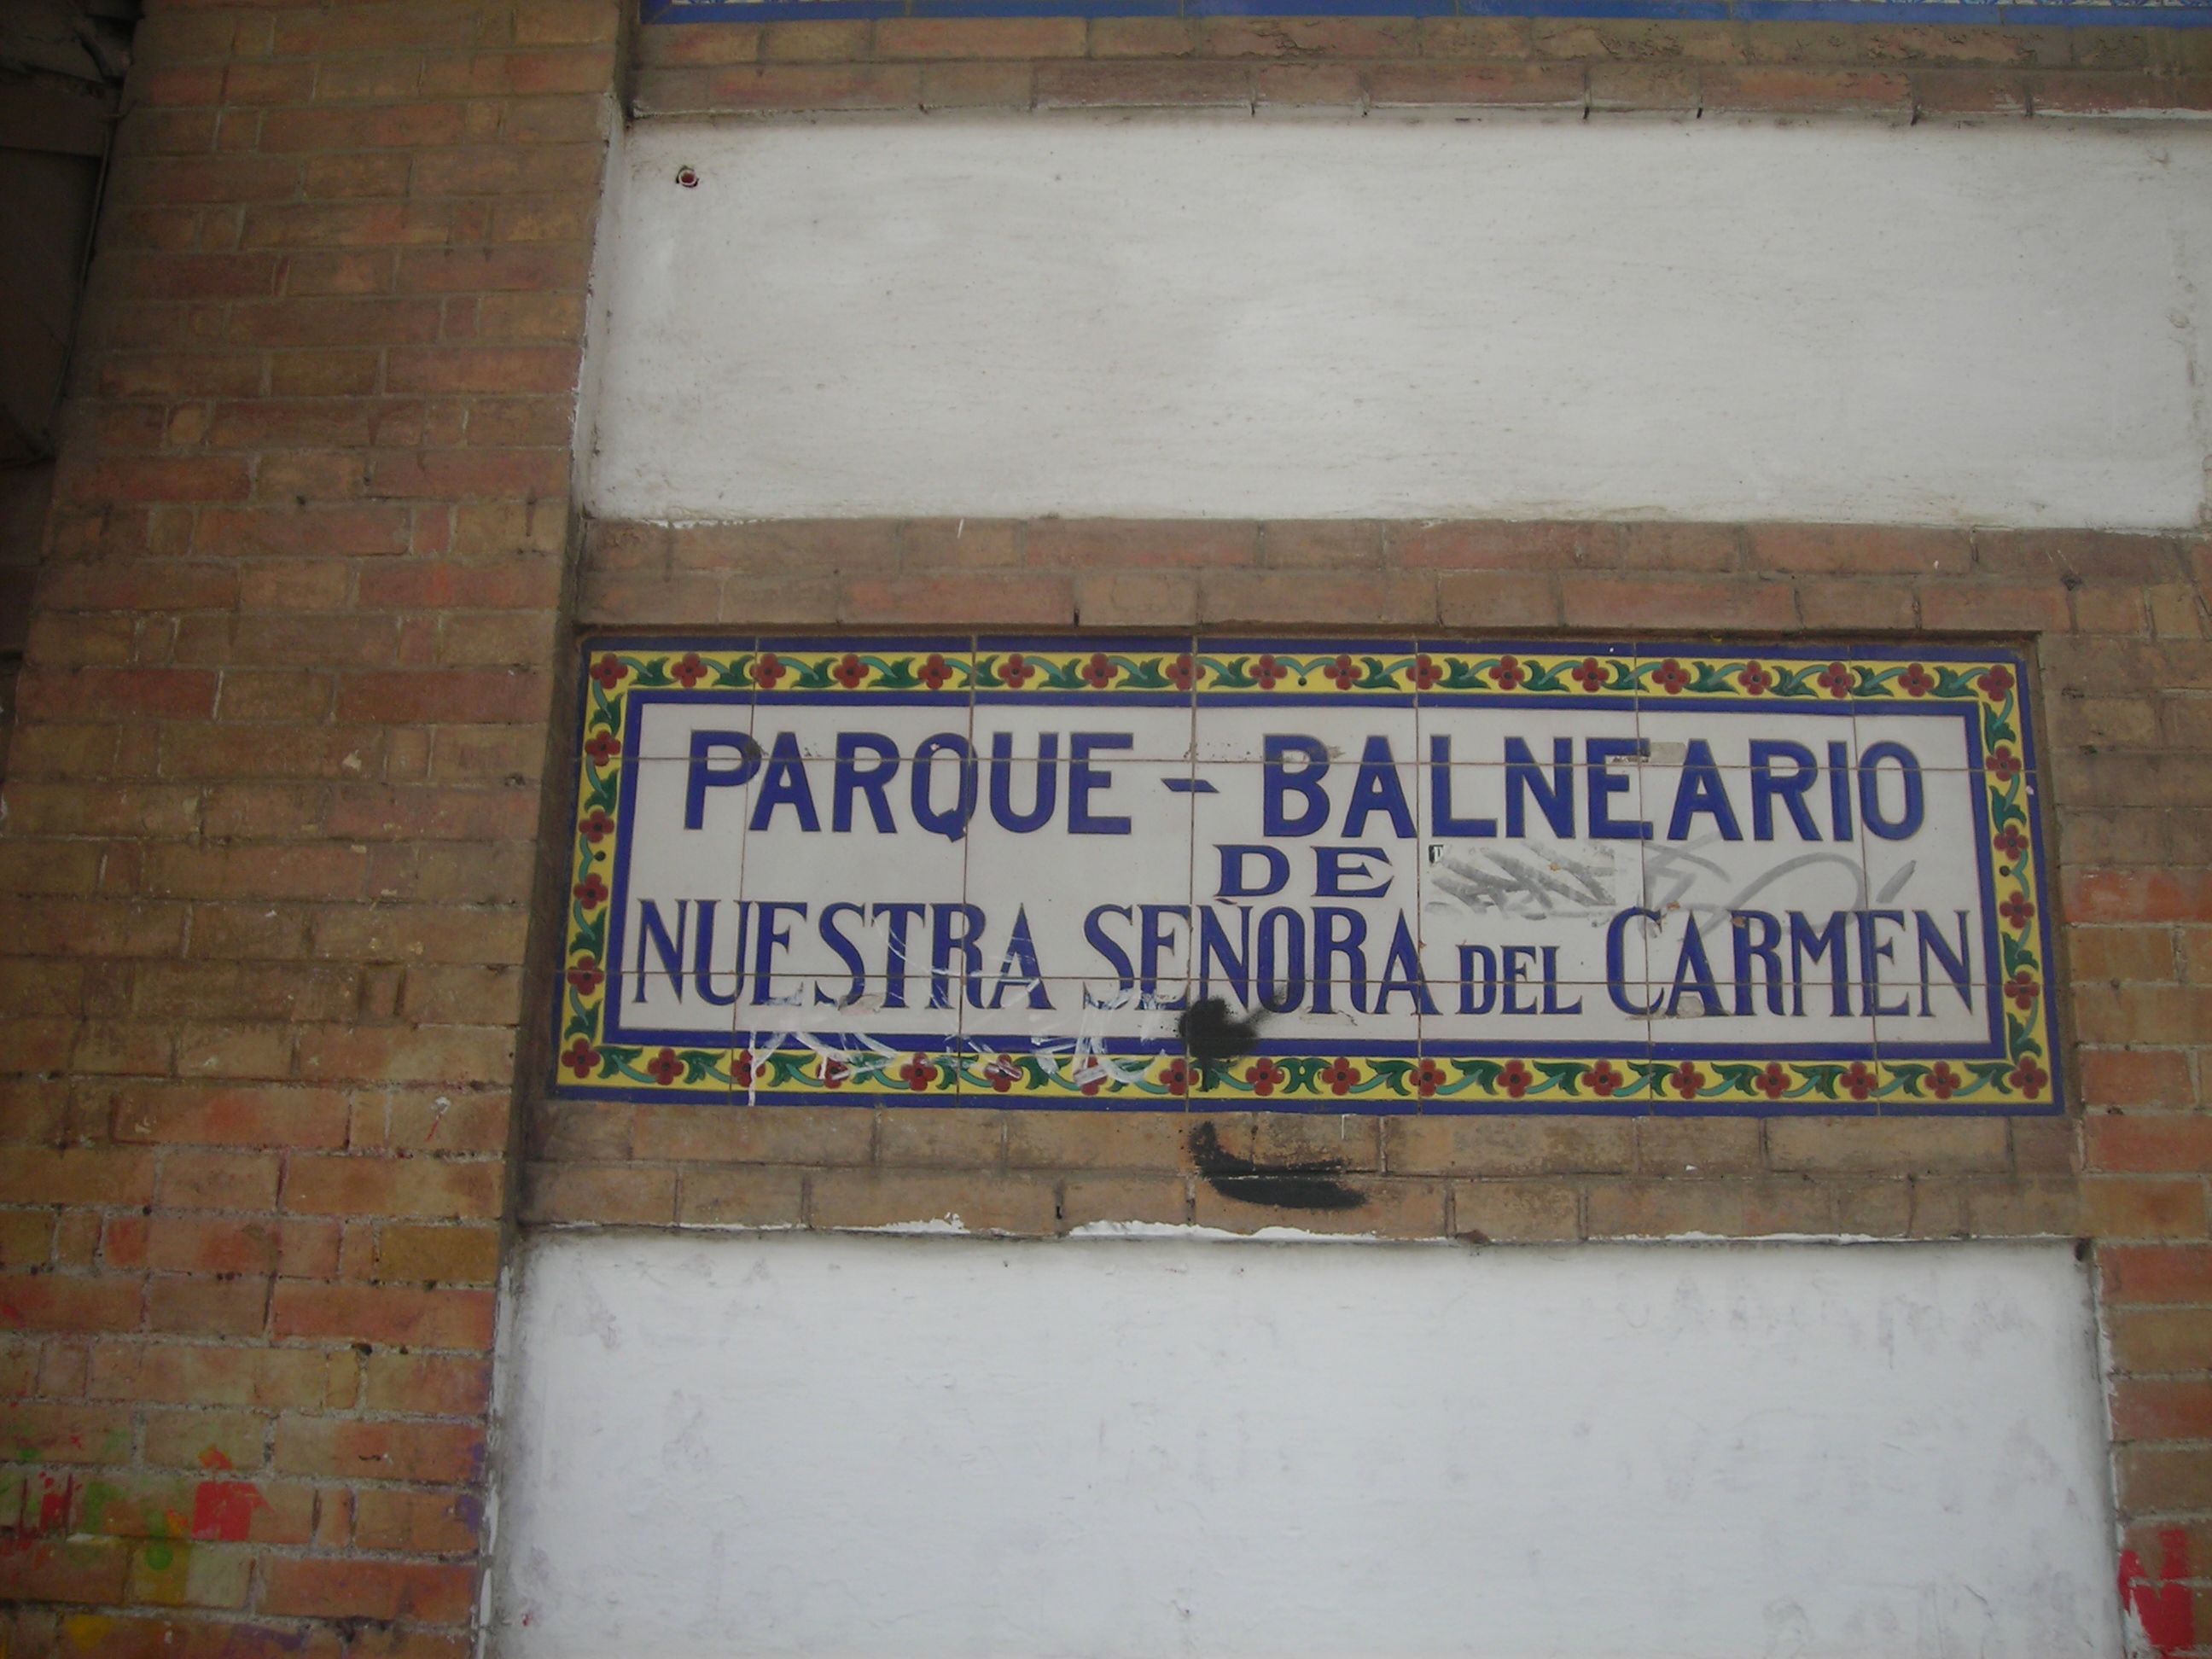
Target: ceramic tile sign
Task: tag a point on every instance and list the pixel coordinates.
(1439, 878)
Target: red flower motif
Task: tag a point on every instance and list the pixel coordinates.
(1098, 673)
(850, 670)
(1601, 1079)
(2028, 1077)
(1837, 680)
(1003, 1072)
(1670, 676)
(582, 1058)
(1182, 672)
(1427, 1077)
(833, 1073)
(1426, 673)
(1515, 1079)
(1688, 1080)
(691, 669)
(1858, 1080)
(1098, 1082)
(741, 1068)
(1944, 1082)
(1343, 673)
(1916, 682)
(664, 1068)
(768, 671)
(603, 747)
(1265, 1077)
(1995, 684)
(591, 892)
(917, 1073)
(585, 977)
(1592, 675)
(935, 671)
(1508, 673)
(2004, 765)
(2018, 910)
(1178, 1076)
(609, 671)
(2023, 991)
(1773, 1082)
(1015, 670)
(2009, 842)
(597, 825)
(1340, 1075)
(1755, 679)
(1267, 671)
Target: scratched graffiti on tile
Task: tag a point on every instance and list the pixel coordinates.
(1443, 878)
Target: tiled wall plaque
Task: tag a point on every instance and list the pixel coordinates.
(1443, 878)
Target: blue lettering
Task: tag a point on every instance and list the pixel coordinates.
(1522, 778)
(1002, 789)
(1331, 871)
(1082, 779)
(1616, 965)
(1441, 821)
(702, 777)
(1870, 792)
(1700, 791)
(1377, 789)
(1604, 783)
(1276, 784)
(1094, 934)
(785, 784)
(850, 780)
(847, 953)
(1467, 953)
(1790, 790)
(1233, 882)
(954, 824)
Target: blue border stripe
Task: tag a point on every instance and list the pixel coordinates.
(1962, 14)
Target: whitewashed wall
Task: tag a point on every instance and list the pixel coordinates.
(910, 1448)
(1200, 317)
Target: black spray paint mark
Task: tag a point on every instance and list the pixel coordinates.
(1213, 1037)
(1283, 1186)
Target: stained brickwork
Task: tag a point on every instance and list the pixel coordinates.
(272, 821)
(1595, 65)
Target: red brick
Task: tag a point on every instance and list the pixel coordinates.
(1134, 544)
(232, 1117)
(2138, 896)
(51, 1302)
(946, 37)
(1496, 545)
(334, 1589)
(341, 1448)
(1128, 84)
(399, 1187)
(437, 1319)
(1789, 90)
(2154, 1273)
(2153, 1145)
(1543, 86)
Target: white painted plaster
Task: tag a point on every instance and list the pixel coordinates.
(835, 1445)
(1504, 318)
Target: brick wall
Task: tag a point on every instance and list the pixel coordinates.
(2119, 628)
(1592, 64)
(272, 826)
(272, 821)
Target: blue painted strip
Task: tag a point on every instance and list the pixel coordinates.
(1952, 14)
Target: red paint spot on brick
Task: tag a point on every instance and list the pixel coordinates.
(2167, 1614)
(213, 1457)
(224, 1510)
